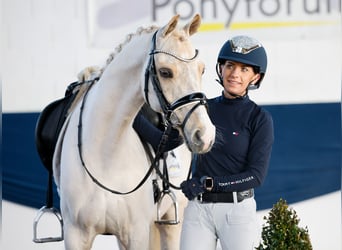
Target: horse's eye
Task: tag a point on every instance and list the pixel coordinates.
(165, 73)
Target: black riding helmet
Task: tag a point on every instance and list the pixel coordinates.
(247, 50)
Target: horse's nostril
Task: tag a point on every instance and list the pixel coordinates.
(200, 142)
(197, 140)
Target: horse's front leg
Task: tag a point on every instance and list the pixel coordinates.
(170, 234)
(137, 237)
(76, 238)
(79, 221)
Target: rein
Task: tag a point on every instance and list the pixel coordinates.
(84, 165)
(168, 110)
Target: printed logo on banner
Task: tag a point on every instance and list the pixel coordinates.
(111, 19)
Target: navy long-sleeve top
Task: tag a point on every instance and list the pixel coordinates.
(240, 157)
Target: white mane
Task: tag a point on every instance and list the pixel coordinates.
(92, 72)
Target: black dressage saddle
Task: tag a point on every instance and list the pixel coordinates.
(50, 123)
(53, 116)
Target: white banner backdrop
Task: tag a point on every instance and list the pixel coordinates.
(276, 19)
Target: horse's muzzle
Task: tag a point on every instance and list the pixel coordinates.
(201, 142)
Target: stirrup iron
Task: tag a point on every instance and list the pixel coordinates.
(172, 195)
(41, 212)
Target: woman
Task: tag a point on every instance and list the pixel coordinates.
(221, 190)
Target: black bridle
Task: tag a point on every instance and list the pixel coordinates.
(167, 108)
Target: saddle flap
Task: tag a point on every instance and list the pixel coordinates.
(48, 127)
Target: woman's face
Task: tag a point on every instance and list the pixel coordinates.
(236, 78)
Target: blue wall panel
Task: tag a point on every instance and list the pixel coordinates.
(305, 162)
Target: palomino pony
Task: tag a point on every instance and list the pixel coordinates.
(98, 148)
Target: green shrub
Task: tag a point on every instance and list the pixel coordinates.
(281, 231)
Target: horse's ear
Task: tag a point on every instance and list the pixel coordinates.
(167, 29)
(192, 27)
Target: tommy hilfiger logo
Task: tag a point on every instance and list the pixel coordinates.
(235, 133)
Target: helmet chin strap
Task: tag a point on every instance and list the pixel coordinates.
(220, 80)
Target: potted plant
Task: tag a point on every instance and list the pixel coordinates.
(281, 231)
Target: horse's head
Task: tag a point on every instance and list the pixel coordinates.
(175, 86)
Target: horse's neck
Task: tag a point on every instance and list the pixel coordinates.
(117, 96)
(115, 111)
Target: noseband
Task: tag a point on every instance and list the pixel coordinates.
(169, 108)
